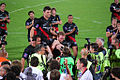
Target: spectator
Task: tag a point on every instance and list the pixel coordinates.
(10, 76)
(36, 73)
(5, 64)
(71, 30)
(115, 73)
(29, 23)
(3, 72)
(4, 19)
(82, 66)
(3, 56)
(70, 61)
(54, 64)
(55, 75)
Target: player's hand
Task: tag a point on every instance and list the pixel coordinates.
(65, 62)
(58, 59)
(32, 21)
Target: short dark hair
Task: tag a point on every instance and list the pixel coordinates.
(2, 4)
(34, 61)
(94, 46)
(10, 76)
(54, 75)
(54, 64)
(38, 47)
(4, 63)
(66, 51)
(53, 9)
(30, 12)
(84, 61)
(17, 63)
(46, 8)
(16, 70)
(35, 37)
(61, 33)
(116, 72)
(69, 15)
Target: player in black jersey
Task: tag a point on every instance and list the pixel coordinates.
(29, 24)
(55, 20)
(4, 19)
(71, 30)
(115, 9)
(43, 25)
(111, 30)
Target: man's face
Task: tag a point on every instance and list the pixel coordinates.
(113, 42)
(116, 1)
(42, 51)
(38, 40)
(61, 38)
(114, 22)
(98, 42)
(53, 12)
(91, 49)
(2, 7)
(31, 15)
(79, 65)
(33, 43)
(47, 13)
(70, 19)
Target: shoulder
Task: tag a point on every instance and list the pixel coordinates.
(6, 12)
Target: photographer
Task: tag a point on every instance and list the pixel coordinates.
(97, 59)
(111, 30)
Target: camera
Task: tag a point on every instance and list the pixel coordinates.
(88, 43)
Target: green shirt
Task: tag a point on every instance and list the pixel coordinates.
(70, 64)
(117, 53)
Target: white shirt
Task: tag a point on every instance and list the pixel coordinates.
(86, 76)
(37, 72)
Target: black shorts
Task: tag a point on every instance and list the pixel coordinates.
(3, 32)
(28, 38)
(72, 43)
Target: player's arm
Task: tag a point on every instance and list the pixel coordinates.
(108, 34)
(70, 32)
(23, 63)
(32, 33)
(28, 26)
(115, 35)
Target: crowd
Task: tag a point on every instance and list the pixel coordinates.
(49, 55)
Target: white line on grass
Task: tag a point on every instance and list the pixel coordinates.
(35, 6)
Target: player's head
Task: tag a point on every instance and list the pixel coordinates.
(47, 11)
(118, 25)
(116, 1)
(61, 36)
(37, 39)
(115, 42)
(31, 14)
(114, 22)
(53, 11)
(70, 18)
(2, 6)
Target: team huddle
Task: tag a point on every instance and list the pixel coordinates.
(52, 54)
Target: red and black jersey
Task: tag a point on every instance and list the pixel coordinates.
(29, 22)
(43, 27)
(114, 13)
(68, 28)
(55, 19)
(2, 16)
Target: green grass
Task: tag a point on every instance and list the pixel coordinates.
(91, 16)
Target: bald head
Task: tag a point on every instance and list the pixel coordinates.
(84, 53)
